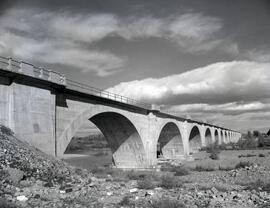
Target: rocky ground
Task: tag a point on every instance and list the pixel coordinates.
(29, 178)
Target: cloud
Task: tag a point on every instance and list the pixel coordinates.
(259, 55)
(191, 32)
(86, 28)
(219, 82)
(43, 37)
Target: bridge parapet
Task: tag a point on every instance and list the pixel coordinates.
(84, 88)
(21, 67)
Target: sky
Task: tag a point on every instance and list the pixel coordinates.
(206, 60)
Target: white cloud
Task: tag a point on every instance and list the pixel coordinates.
(60, 45)
(64, 38)
(239, 80)
(87, 28)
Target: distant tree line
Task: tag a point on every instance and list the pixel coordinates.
(255, 139)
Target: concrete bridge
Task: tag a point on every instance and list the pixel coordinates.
(46, 109)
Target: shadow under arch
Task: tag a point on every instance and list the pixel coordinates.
(215, 135)
(226, 139)
(208, 137)
(222, 136)
(195, 139)
(119, 130)
(170, 144)
(123, 139)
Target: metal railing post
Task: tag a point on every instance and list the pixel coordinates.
(21, 67)
(9, 67)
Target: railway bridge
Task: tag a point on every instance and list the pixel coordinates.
(45, 109)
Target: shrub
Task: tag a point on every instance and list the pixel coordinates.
(5, 130)
(214, 156)
(180, 171)
(258, 185)
(167, 203)
(3, 175)
(6, 204)
(136, 175)
(247, 141)
(204, 167)
(147, 183)
(247, 155)
(214, 151)
(243, 164)
(126, 202)
(169, 182)
(225, 168)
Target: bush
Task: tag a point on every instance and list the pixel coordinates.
(136, 175)
(204, 167)
(247, 141)
(214, 156)
(180, 171)
(169, 182)
(261, 155)
(243, 165)
(225, 168)
(214, 151)
(177, 170)
(258, 185)
(147, 183)
(126, 202)
(5, 130)
(6, 204)
(3, 175)
(247, 155)
(167, 203)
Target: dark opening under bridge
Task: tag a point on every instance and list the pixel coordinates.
(45, 109)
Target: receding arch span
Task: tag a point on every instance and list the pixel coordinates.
(208, 137)
(170, 143)
(195, 140)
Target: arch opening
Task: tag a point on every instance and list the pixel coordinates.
(123, 144)
(170, 145)
(226, 139)
(195, 140)
(222, 137)
(208, 137)
(215, 135)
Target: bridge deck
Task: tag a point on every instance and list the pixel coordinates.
(21, 68)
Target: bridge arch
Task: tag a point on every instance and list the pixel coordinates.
(226, 138)
(170, 144)
(221, 137)
(120, 130)
(208, 136)
(195, 138)
(215, 135)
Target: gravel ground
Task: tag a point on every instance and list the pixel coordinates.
(30, 178)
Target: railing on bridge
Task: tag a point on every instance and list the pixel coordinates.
(28, 69)
(105, 94)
